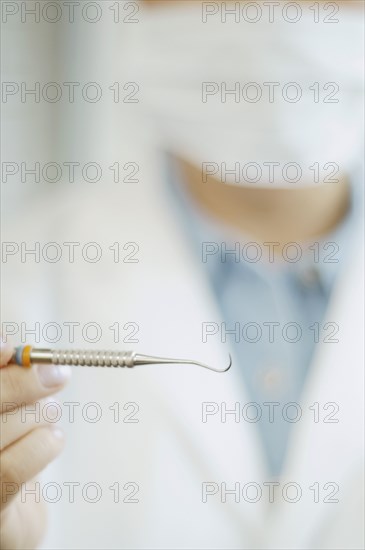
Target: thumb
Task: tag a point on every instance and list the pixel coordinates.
(6, 352)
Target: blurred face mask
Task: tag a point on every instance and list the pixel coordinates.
(253, 97)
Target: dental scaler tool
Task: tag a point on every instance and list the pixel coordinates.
(26, 356)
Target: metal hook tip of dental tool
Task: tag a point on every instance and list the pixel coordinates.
(149, 360)
(212, 368)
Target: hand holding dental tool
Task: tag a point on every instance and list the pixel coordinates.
(26, 356)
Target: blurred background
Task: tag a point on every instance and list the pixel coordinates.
(148, 64)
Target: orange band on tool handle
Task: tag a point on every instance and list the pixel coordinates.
(26, 356)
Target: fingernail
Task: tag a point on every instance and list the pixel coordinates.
(53, 375)
(53, 408)
(58, 433)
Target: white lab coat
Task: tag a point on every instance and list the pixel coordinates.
(170, 452)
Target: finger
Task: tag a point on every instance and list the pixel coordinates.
(27, 457)
(18, 422)
(19, 385)
(6, 352)
(23, 523)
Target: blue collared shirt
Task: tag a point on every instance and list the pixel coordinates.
(273, 312)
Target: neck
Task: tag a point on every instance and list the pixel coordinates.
(281, 215)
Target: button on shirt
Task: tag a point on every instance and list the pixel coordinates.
(273, 314)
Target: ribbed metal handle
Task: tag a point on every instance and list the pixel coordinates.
(90, 358)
